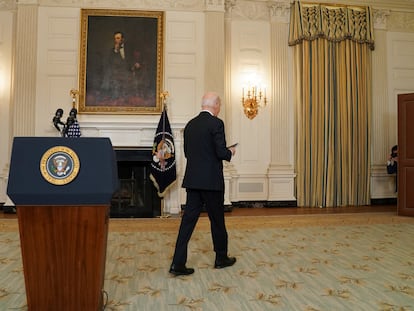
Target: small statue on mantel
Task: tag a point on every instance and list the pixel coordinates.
(69, 129)
(56, 120)
(72, 128)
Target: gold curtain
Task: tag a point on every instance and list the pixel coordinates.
(332, 57)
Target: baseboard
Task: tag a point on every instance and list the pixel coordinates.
(384, 201)
(254, 204)
(261, 204)
(227, 208)
(9, 209)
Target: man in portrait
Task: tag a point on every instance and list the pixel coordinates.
(121, 69)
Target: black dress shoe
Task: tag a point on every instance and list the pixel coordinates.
(181, 270)
(225, 262)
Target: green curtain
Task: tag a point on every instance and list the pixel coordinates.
(332, 57)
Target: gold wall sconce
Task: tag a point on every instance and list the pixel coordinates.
(255, 99)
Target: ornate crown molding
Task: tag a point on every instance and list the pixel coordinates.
(215, 5)
(405, 5)
(6, 5)
(247, 9)
(401, 22)
(279, 11)
(184, 5)
(380, 18)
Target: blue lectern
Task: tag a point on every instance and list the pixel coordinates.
(62, 189)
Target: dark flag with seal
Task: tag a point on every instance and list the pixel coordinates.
(163, 165)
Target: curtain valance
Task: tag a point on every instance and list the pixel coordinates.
(334, 23)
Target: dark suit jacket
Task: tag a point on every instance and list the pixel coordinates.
(392, 168)
(205, 149)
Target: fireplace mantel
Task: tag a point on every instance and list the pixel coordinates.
(128, 133)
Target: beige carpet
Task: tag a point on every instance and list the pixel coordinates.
(329, 262)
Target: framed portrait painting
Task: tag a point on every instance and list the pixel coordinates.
(121, 61)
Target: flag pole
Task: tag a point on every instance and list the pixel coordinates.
(164, 95)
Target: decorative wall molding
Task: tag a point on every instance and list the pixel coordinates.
(25, 71)
(403, 10)
(401, 22)
(214, 54)
(395, 5)
(228, 6)
(279, 11)
(248, 10)
(8, 5)
(244, 6)
(393, 21)
(382, 184)
(171, 5)
(4, 178)
(215, 5)
(379, 131)
(121, 134)
(280, 173)
(380, 18)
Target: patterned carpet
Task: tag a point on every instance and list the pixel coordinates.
(330, 262)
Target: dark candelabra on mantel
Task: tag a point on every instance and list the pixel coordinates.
(71, 128)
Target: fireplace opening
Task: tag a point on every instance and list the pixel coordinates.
(136, 196)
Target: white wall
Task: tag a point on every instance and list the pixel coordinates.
(398, 63)
(250, 45)
(57, 64)
(6, 58)
(400, 76)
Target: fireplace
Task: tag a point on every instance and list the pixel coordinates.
(136, 196)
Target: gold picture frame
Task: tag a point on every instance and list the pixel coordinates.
(121, 61)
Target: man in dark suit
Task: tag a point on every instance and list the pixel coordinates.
(205, 149)
(392, 164)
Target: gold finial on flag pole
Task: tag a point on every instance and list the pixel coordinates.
(164, 95)
(74, 93)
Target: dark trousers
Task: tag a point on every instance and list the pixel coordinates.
(213, 201)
